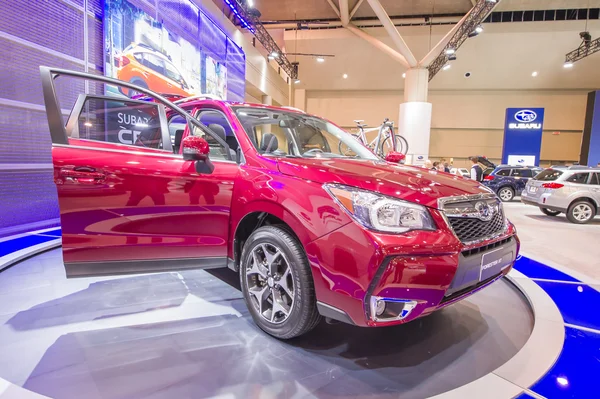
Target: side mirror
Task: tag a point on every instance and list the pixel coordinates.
(395, 157)
(196, 148)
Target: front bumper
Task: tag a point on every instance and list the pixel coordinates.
(353, 267)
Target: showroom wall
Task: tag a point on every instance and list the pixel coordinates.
(55, 33)
(465, 123)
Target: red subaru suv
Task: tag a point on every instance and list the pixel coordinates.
(154, 186)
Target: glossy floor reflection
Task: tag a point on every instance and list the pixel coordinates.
(189, 335)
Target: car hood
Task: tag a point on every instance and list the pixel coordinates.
(408, 183)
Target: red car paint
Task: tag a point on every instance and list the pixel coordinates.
(123, 203)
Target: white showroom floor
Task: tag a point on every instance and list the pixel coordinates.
(557, 242)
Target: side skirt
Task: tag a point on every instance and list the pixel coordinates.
(90, 269)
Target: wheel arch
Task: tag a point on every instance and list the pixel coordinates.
(259, 214)
(586, 199)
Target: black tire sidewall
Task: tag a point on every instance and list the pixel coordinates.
(304, 300)
(549, 212)
(572, 218)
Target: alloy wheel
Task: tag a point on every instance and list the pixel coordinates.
(505, 194)
(270, 283)
(582, 212)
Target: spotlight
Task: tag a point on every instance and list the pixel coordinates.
(534, 74)
(320, 59)
(479, 29)
(250, 3)
(274, 54)
(403, 75)
(297, 81)
(446, 67)
(568, 64)
(450, 51)
(270, 57)
(492, 1)
(345, 76)
(452, 57)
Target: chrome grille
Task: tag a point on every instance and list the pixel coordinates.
(468, 230)
(474, 218)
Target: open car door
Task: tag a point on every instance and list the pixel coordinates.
(128, 202)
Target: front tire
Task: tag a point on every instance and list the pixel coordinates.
(277, 283)
(549, 212)
(581, 212)
(506, 194)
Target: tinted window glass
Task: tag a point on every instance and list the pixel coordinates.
(120, 121)
(503, 172)
(595, 179)
(524, 172)
(155, 63)
(549, 175)
(580, 178)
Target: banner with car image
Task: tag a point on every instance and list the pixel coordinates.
(142, 50)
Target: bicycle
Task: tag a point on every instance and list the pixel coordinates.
(380, 145)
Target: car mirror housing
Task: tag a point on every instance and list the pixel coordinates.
(197, 149)
(395, 157)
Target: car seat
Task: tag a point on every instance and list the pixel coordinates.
(268, 143)
(177, 141)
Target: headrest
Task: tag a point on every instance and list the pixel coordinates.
(218, 130)
(269, 142)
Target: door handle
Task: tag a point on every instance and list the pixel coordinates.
(83, 174)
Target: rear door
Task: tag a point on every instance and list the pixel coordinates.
(128, 201)
(595, 187)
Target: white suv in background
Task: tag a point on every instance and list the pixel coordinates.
(574, 191)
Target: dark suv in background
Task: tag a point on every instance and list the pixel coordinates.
(509, 181)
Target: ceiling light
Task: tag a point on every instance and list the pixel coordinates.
(297, 81)
(320, 59)
(274, 54)
(534, 74)
(568, 64)
(271, 57)
(403, 75)
(345, 76)
(450, 51)
(479, 29)
(250, 3)
(446, 67)
(491, 1)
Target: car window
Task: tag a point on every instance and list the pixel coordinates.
(595, 179)
(177, 125)
(172, 73)
(155, 63)
(579, 178)
(548, 175)
(217, 122)
(503, 172)
(522, 172)
(120, 121)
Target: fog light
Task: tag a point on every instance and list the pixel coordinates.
(379, 307)
(390, 309)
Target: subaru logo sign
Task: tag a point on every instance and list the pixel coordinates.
(525, 116)
(420, 157)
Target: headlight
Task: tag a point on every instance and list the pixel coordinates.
(381, 213)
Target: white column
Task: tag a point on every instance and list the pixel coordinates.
(414, 122)
(267, 100)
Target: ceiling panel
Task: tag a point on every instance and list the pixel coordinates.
(397, 8)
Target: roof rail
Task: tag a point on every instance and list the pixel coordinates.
(198, 97)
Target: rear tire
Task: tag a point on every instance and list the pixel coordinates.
(277, 283)
(549, 212)
(581, 212)
(506, 194)
(137, 82)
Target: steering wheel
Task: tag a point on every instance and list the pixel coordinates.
(314, 151)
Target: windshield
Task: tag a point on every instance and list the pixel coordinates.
(292, 134)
